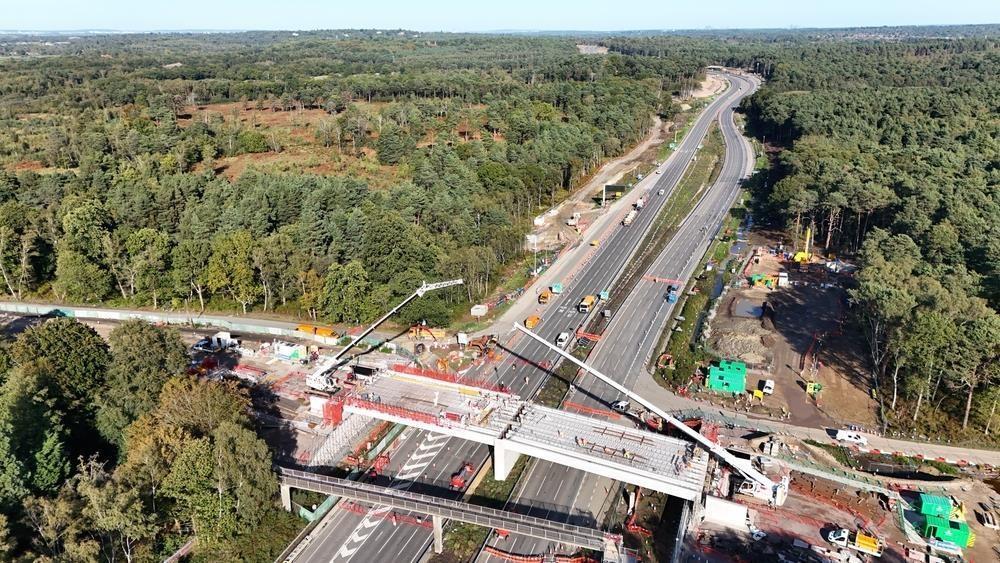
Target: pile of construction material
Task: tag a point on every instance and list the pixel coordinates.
(742, 339)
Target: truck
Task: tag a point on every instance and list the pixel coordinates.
(544, 296)
(532, 321)
(672, 294)
(586, 304)
(858, 541)
(629, 218)
(458, 479)
(639, 203)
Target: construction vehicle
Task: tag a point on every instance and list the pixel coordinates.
(322, 377)
(586, 304)
(858, 541)
(381, 462)
(544, 297)
(423, 332)
(532, 321)
(756, 482)
(483, 345)
(458, 479)
(574, 220)
(629, 218)
(805, 254)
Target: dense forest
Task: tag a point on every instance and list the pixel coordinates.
(109, 453)
(891, 153)
(449, 146)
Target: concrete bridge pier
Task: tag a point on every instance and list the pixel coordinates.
(503, 460)
(286, 497)
(438, 523)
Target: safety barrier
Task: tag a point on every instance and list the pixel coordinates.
(447, 377)
(392, 410)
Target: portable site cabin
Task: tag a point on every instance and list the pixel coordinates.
(935, 505)
(729, 376)
(954, 531)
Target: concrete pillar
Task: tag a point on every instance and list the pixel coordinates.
(438, 523)
(503, 461)
(286, 497)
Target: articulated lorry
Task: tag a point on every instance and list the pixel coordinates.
(629, 218)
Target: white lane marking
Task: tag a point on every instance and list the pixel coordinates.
(413, 468)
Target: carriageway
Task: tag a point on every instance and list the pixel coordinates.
(513, 427)
(440, 509)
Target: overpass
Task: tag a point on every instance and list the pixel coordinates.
(440, 509)
(513, 427)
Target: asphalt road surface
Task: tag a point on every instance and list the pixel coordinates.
(425, 462)
(630, 339)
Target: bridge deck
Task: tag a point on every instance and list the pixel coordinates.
(504, 421)
(450, 509)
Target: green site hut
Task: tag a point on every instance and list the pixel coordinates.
(954, 531)
(730, 376)
(935, 505)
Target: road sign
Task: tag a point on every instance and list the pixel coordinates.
(479, 310)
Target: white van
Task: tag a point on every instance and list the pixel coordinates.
(562, 339)
(852, 437)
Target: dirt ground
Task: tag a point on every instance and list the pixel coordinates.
(711, 86)
(803, 340)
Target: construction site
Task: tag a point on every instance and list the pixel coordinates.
(783, 317)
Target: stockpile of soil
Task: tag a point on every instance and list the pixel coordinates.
(744, 339)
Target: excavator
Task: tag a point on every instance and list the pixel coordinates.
(483, 345)
(755, 483)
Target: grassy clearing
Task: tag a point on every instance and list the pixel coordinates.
(839, 453)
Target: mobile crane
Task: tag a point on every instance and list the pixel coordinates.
(756, 483)
(321, 378)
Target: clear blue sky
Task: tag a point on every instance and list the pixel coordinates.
(485, 15)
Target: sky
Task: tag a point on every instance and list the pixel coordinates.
(492, 15)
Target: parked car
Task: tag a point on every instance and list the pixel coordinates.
(768, 387)
(851, 437)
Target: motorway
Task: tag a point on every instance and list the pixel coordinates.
(633, 334)
(424, 462)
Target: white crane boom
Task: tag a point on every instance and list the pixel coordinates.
(778, 491)
(418, 293)
(320, 378)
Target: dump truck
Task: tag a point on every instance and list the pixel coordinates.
(858, 541)
(586, 304)
(629, 218)
(544, 296)
(532, 321)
